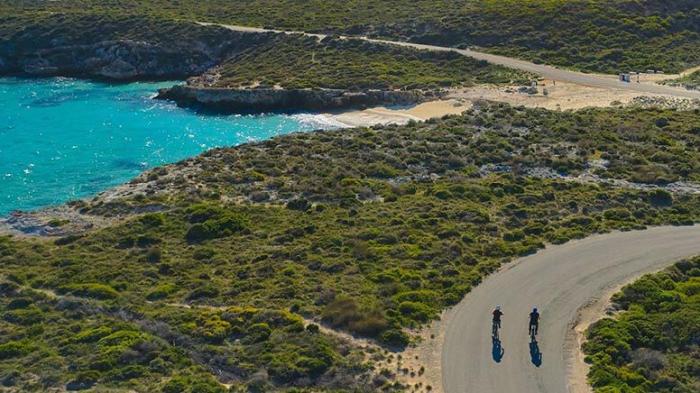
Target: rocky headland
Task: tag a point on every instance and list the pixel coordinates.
(276, 99)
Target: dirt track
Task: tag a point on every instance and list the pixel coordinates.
(560, 280)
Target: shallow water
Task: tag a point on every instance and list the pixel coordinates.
(63, 139)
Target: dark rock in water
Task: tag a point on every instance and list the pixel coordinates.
(123, 163)
(263, 99)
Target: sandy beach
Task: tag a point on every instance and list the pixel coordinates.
(384, 115)
(550, 95)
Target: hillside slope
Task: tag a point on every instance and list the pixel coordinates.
(592, 35)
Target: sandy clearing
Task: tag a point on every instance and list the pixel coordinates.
(559, 96)
(552, 95)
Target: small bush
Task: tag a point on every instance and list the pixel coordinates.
(161, 291)
(344, 313)
(224, 225)
(258, 332)
(395, 338)
(204, 291)
(93, 335)
(83, 380)
(154, 255)
(14, 348)
(661, 198)
(153, 220)
(93, 290)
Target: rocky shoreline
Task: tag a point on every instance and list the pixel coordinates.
(285, 100)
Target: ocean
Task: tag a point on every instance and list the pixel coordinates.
(64, 139)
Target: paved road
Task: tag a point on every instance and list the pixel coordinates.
(548, 72)
(558, 280)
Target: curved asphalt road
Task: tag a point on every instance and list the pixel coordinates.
(559, 281)
(548, 72)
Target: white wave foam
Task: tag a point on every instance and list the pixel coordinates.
(318, 121)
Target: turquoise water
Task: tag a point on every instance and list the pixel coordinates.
(62, 139)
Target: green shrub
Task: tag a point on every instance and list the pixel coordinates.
(344, 313)
(161, 291)
(19, 303)
(176, 384)
(13, 349)
(258, 332)
(661, 198)
(154, 255)
(127, 373)
(204, 291)
(93, 334)
(122, 338)
(200, 213)
(26, 316)
(153, 220)
(381, 171)
(93, 290)
(223, 224)
(394, 338)
(83, 380)
(416, 311)
(620, 214)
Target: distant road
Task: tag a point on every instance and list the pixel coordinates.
(559, 281)
(608, 82)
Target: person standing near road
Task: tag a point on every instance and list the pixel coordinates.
(534, 322)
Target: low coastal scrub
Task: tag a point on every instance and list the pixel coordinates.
(593, 35)
(371, 231)
(652, 344)
(80, 344)
(71, 345)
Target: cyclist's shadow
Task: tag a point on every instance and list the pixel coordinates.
(535, 354)
(497, 350)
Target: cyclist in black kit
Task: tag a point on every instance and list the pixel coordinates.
(497, 314)
(534, 322)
